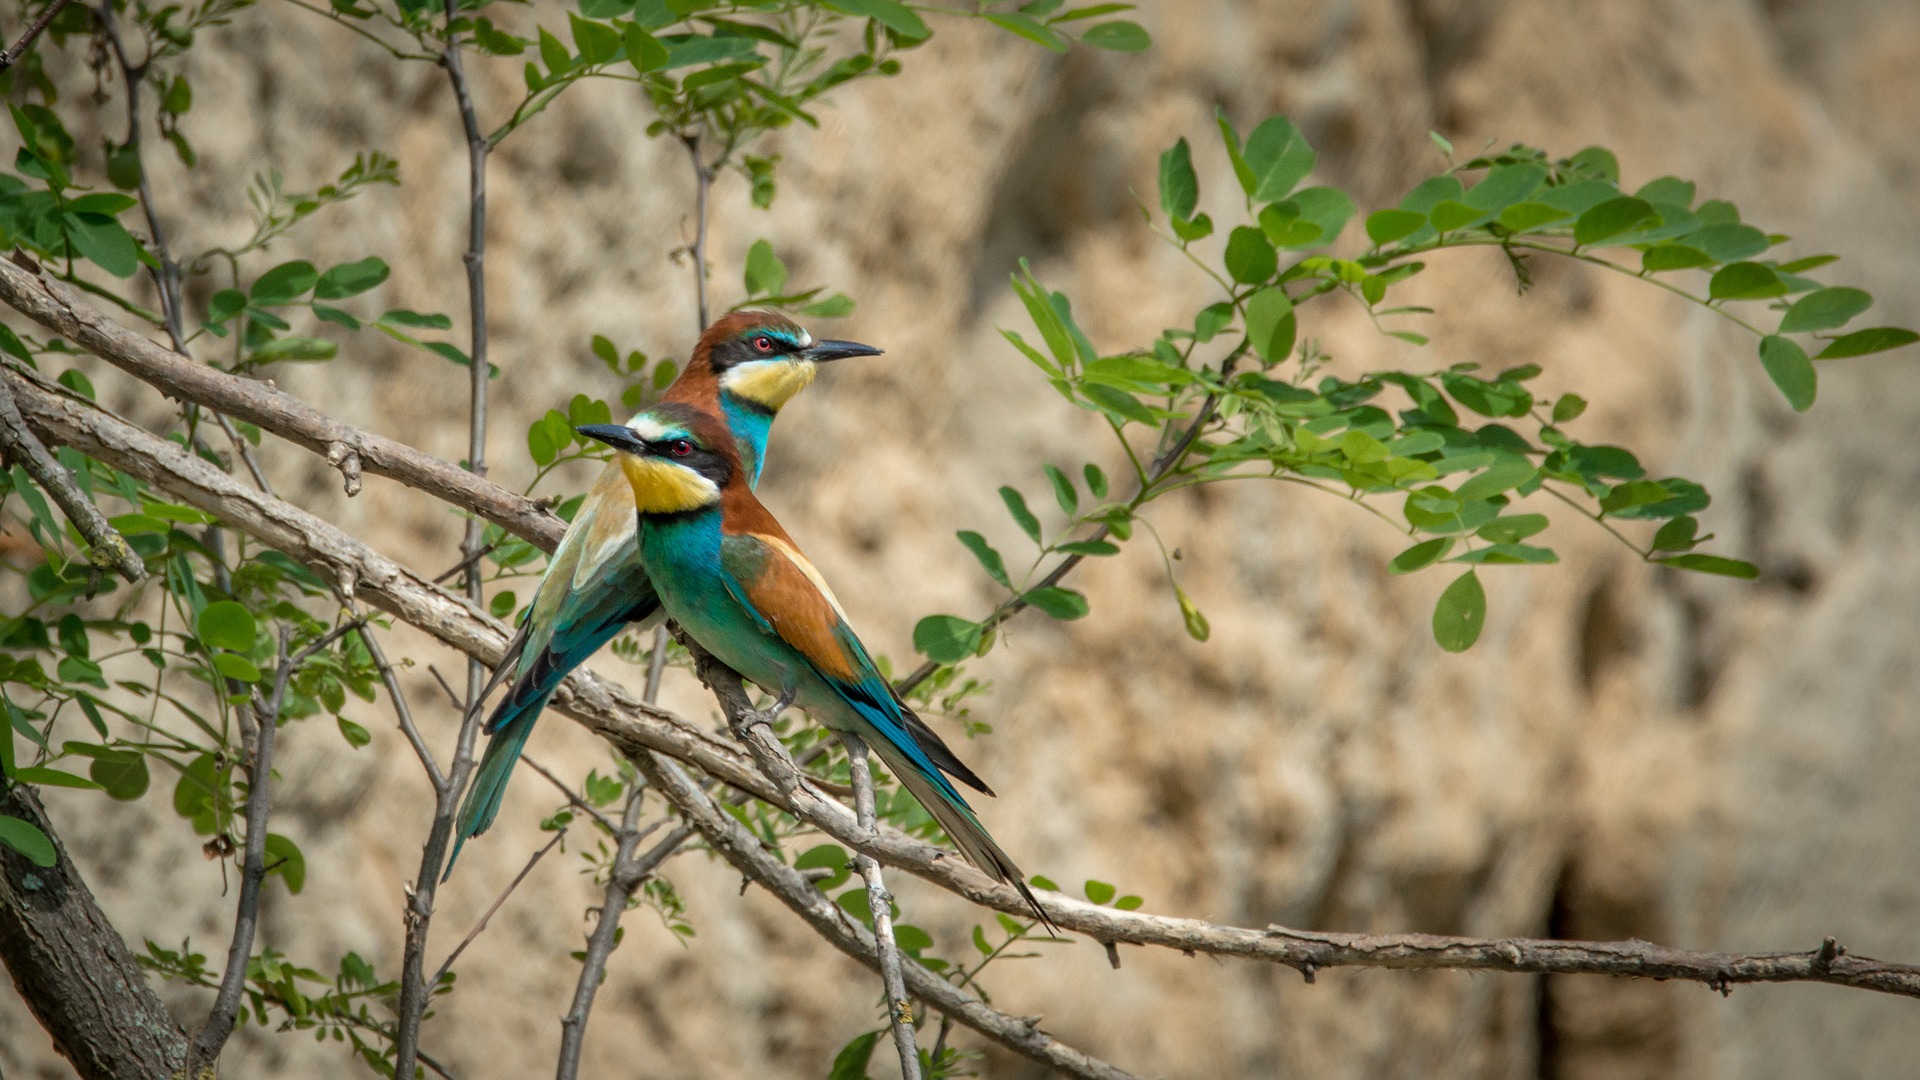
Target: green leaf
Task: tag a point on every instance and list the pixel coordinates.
(416, 320)
(996, 566)
(1611, 218)
(1119, 36)
(1096, 480)
(1179, 186)
(1094, 548)
(1460, 614)
(1513, 528)
(123, 773)
(355, 735)
(45, 777)
(837, 306)
(1027, 28)
(1508, 555)
(1597, 161)
(1386, 226)
(224, 624)
(1568, 407)
(1672, 256)
(1450, 216)
(826, 857)
(1420, 556)
(1197, 628)
(1728, 241)
(105, 241)
(294, 348)
(851, 1062)
(287, 282)
(1746, 281)
(237, 667)
(1862, 342)
(1787, 365)
(1279, 158)
(553, 54)
(1119, 404)
(1528, 216)
(946, 639)
(644, 51)
(1017, 507)
(1327, 208)
(1063, 492)
(284, 858)
(349, 279)
(26, 838)
(336, 316)
(1508, 471)
(1250, 255)
(1058, 602)
(891, 14)
(1668, 189)
(1713, 564)
(1825, 309)
(1506, 185)
(1271, 324)
(1099, 892)
(765, 274)
(598, 43)
(1680, 534)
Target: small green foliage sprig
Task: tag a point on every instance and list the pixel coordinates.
(1451, 451)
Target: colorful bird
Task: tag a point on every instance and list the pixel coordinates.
(733, 579)
(744, 368)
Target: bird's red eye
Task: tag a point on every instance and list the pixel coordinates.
(680, 448)
(763, 343)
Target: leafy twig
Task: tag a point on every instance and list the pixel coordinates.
(109, 550)
(19, 48)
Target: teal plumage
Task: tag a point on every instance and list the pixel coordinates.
(744, 368)
(732, 579)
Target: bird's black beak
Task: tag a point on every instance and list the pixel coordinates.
(620, 438)
(822, 351)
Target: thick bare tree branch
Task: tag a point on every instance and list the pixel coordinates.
(61, 310)
(72, 968)
(632, 727)
(110, 550)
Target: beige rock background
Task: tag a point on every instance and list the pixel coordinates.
(1625, 753)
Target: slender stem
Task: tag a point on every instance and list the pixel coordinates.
(212, 1036)
(703, 187)
(447, 964)
(414, 990)
(19, 48)
(880, 903)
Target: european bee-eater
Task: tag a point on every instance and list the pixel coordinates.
(744, 368)
(733, 579)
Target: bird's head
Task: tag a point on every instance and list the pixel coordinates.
(763, 358)
(677, 459)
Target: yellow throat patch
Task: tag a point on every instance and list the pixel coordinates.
(661, 487)
(769, 384)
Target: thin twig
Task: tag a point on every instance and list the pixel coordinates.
(414, 992)
(19, 48)
(107, 549)
(447, 964)
(634, 729)
(212, 1036)
(880, 904)
(628, 874)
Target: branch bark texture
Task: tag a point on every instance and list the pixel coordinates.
(72, 968)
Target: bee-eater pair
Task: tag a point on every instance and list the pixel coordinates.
(672, 528)
(744, 368)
